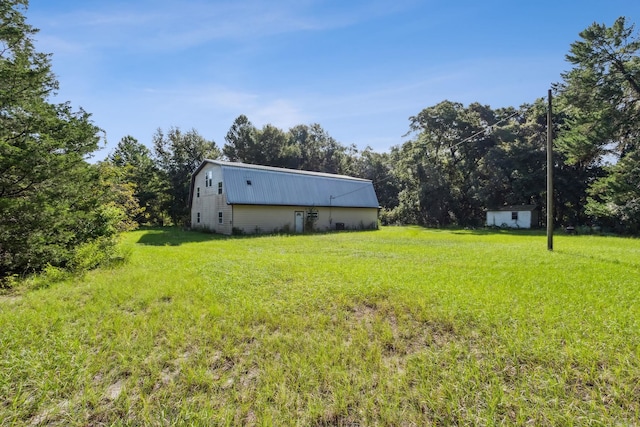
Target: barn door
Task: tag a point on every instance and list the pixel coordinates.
(299, 221)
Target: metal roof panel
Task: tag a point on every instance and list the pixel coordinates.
(263, 185)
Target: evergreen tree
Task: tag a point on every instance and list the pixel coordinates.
(601, 95)
(50, 202)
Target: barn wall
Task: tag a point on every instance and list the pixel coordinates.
(209, 203)
(352, 218)
(268, 219)
(498, 218)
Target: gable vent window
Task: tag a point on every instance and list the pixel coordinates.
(248, 182)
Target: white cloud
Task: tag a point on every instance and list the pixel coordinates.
(174, 25)
(281, 113)
(261, 108)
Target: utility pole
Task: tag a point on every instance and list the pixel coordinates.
(549, 176)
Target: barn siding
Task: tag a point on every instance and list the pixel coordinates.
(210, 202)
(353, 218)
(268, 219)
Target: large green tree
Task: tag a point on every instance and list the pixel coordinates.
(601, 93)
(305, 147)
(272, 143)
(241, 141)
(378, 167)
(139, 169)
(177, 155)
(50, 197)
(440, 168)
(601, 97)
(312, 148)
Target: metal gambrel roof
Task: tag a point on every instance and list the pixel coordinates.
(262, 185)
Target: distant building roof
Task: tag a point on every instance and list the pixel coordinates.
(248, 184)
(514, 208)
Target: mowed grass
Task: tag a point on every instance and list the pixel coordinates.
(400, 326)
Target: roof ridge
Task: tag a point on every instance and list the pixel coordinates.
(283, 170)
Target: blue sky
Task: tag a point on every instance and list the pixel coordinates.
(358, 68)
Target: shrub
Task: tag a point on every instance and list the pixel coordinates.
(311, 219)
(9, 282)
(103, 251)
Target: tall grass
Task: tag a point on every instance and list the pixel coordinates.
(401, 326)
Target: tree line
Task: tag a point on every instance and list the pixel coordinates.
(461, 160)
(59, 209)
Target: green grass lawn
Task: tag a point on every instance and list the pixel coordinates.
(400, 326)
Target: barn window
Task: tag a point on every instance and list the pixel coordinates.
(220, 217)
(248, 182)
(514, 216)
(198, 218)
(220, 187)
(198, 192)
(208, 179)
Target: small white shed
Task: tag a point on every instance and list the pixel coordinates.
(519, 216)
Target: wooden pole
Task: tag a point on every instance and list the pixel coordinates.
(549, 175)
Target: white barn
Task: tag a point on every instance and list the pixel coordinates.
(522, 216)
(230, 197)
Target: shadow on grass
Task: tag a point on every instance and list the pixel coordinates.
(500, 231)
(629, 264)
(485, 231)
(174, 236)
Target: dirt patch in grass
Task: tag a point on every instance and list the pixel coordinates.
(114, 390)
(10, 299)
(51, 415)
(401, 335)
